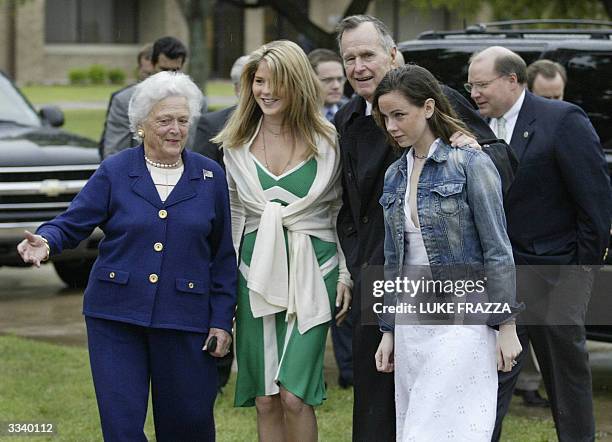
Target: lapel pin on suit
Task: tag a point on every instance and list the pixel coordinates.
(207, 173)
(525, 134)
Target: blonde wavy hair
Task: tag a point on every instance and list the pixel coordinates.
(294, 80)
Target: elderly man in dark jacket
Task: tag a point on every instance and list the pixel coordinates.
(369, 52)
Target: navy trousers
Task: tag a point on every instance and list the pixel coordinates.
(561, 351)
(125, 359)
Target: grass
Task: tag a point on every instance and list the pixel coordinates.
(42, 382)
(90, 122)
(41, 94)
(86, 122)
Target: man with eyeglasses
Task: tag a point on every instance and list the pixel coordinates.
(558, 214)
(328, 67)
(169, 54)
(330, 72)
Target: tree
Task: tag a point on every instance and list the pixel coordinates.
(196, 15)
(290, 9)
(522, 9)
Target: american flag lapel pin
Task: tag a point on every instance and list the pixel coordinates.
(207, 173)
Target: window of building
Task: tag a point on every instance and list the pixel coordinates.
(91, 21)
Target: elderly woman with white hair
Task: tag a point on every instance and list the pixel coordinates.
(160, 299)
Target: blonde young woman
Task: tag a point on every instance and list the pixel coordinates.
(283, 172)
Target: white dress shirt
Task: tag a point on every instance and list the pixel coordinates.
(511, 116)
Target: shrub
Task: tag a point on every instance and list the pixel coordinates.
(116, 76)
(97, 74)
(77, 76)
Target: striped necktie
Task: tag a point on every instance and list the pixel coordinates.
(501, 128)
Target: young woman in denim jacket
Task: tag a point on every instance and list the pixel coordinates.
(443, 212)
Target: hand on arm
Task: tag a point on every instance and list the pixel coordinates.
(459, 139)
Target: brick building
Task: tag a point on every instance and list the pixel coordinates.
(41, 40)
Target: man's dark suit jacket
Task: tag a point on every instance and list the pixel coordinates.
(501, 154)
(209, 125)
(562, 185)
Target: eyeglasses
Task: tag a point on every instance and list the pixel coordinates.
(480, 85)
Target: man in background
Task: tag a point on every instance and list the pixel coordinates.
(145, 65)
(330, 72)
(328, 67)
(547, 79)
(168, 54)
(562, 187)
(210, 124)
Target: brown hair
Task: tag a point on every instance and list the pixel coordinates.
(418, 85)
(321, 55)
(547, 69)
(292, 78)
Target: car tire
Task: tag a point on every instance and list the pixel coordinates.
(74, 273)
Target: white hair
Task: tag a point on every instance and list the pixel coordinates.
(157, 87)
(237, 68)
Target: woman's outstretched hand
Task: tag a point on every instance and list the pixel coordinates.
(508, 347)
(33, 249)
(343, 302)
(384, 354)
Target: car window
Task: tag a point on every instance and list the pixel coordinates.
(589, 86)
(450, 65)
(13, 107)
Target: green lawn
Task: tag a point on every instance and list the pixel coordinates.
(39, 94)
(86, 122)
(89, 122)
(41, 382)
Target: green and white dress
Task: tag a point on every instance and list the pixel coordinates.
(270, 350)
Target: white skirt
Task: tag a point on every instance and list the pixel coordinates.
(445, 382)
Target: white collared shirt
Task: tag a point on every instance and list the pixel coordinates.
(332, 107)
(368, 108)
(511, 116)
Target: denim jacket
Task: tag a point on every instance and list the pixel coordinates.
(460, 210)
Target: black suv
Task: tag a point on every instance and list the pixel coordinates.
(41, 169)
(586, 52)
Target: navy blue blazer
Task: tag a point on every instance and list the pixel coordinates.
(558, 208)
(166, 265)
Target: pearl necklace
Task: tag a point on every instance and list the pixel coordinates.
(162, 165)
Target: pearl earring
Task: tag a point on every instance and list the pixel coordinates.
(140, 133)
